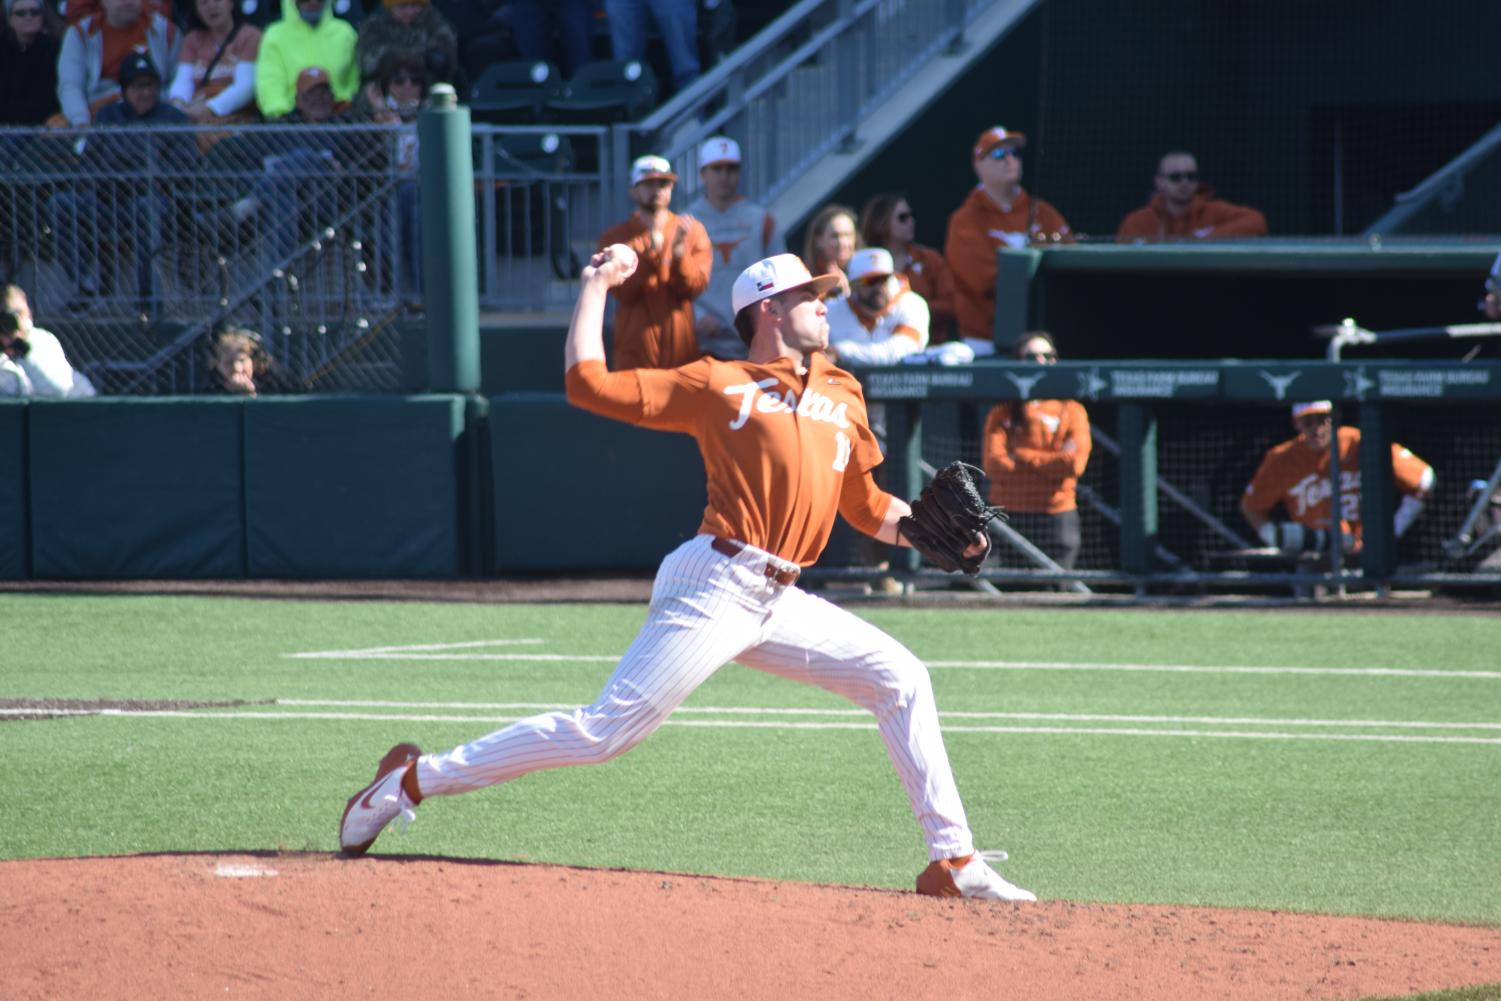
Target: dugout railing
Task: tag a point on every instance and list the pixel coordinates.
(1175, 444)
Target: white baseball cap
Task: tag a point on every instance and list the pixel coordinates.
(650, 168)
(773, 276)
(870, 262)
(718, 149)
(1312, 407)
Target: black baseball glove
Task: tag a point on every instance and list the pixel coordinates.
(948, 517)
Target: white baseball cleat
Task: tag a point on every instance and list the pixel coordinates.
(369, 811)
(970, 876)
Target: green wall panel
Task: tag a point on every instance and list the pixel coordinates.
(578, 492)
(12, 490)
(353, 487)
(135, 488)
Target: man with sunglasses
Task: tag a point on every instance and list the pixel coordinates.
(998, 213)
(1186, 209)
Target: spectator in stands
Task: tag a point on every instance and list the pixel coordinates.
(129, 177)
(215, 80)
(887, 221)
(94, 50)
(535, 22)
(32, 361)
(830, 242)
(998, 213)
(30, 41)
(308, 34)
(882, 320)
(677, 23)
(1295, 477)
(239, 365)
(74, 11)
(412, 30)
(1184, 208)
(740, 232)
(654, 316)
(401, 85)
(1034, 453)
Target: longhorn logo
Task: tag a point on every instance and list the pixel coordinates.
(1024, 383)
(1280, 383)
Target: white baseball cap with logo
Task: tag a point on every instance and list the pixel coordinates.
(773, 276)
(1312, 407)
(871, 262)
(718, 149)
(651, 168)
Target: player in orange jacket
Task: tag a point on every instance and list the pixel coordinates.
(1184, 208)
(998, 213)
(1295, 474)
(786, 443)
(654, 325)
(1034, 453)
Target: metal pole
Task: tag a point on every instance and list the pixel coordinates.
(450, 281)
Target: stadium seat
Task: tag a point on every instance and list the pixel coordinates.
(532, 154)
(606, 90)
(516, 91)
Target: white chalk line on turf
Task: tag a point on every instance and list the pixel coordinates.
(433, 652)
(786, 724)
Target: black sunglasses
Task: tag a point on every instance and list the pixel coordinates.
(1001, 152)
(28, 12)
(903, 217)
(1043, 355)
(1179, 176)
(408, 78)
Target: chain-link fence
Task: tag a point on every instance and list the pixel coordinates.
(135, 244)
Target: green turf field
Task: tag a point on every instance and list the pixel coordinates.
(1322, 761)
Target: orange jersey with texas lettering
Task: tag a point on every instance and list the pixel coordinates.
(782, 451)
(1298, 478)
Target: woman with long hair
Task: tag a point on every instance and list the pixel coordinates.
(1034, 453)
(30, 41)
(830, 242)
(887, 221)
(215, 81)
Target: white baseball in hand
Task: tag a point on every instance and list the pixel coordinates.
(615, 264)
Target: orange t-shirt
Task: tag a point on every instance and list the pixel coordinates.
(979, 228)
(654, 312)
(1028, 466)
(782, 451)
(1298, 478)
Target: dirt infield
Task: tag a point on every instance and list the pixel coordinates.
(319, 926)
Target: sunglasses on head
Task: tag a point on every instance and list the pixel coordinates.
(1001, 152)
(1179, 176)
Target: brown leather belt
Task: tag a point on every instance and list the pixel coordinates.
(729, 547)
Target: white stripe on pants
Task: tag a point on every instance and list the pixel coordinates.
(708, 609)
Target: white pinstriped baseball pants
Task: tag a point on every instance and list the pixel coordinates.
(708, 609)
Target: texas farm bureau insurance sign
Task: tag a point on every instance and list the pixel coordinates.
(1243, 381)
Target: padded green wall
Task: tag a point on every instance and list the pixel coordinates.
(12, 490)
(135, 488)
(352, 486)
(576, 491)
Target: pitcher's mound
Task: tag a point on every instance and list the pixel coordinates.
(318, 926)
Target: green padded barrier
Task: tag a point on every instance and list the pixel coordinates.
(578, 492)
(353, 487)
(12, 490)
(135, 488)
(522, 359)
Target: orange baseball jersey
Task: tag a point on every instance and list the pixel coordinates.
(1027, 465)
(979, 228)
(1298, 478)
(654, 316)
(781, 451)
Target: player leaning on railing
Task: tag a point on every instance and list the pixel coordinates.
(785, 442)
